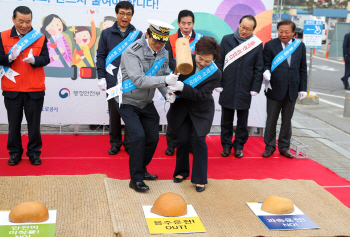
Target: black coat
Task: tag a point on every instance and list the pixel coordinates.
(346, 45)
(198, 102)
(240, 77)
(110, 38)
(286, 78)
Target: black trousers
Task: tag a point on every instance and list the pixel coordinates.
(115, 127)
(274, 107)
(241, 134)
(32, 110)
(200, 154)
(171, 137)
(143, 127)
(347, 71)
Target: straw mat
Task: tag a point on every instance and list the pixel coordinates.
(80, 200)
(223, 210)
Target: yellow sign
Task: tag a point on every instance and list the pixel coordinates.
(190, 223)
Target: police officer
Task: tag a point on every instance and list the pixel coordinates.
(144, 67)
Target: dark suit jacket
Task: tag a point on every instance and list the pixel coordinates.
(286, 78)
(40, 61)
(198, 102)
(346, 45)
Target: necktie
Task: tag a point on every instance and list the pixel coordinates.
(155, 54)
(290, 57)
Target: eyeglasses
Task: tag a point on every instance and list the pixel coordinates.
(125, 14)
(244, 28)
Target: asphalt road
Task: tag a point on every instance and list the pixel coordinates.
(326, 83)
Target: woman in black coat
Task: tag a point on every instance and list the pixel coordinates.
(193, 112)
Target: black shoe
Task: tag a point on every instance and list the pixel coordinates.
(342, 79)
(267, 153)
(114, 150)
(238, 153)
(35, 160)
(226, 152)
(170, 151)
(148, 176)
(200, 189)
(178, 180)
(287, 154)
(14, 159)
(347, 88)
(138, 186)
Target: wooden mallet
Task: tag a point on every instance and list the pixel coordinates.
(184, 64)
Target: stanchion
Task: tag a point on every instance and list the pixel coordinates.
(327, 51)
(347, 104)
(314, 52)
(343, 60)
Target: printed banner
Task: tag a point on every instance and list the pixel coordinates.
(72, 94)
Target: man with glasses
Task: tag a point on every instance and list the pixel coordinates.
(241, 62)
(117, 37)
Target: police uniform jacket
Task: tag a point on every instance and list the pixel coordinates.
(240, 77)
(136, 61)
(196, 102)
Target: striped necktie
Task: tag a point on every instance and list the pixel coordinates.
(290, 57)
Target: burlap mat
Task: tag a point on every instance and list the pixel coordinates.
(81, 201)
(223, 210)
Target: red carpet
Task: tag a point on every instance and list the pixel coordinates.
(88, 154)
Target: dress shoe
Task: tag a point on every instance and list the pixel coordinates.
(138, 186)
(114, 150)
(179, 180)
(287, 154)
(347, 88)
(238, 153)
(170, 151)
(200, 189)
(226, 152)
(148, 176)
(35, 160)
(267, 153)
(127, 150)
(14, 159)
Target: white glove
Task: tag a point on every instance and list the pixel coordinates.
(219, 89)
(253, 93)
(172, 79)
(267, 75)
(102, 84)
(14, 53)
(302, 94)
(170, 97)
(179, 86)
(30, 59)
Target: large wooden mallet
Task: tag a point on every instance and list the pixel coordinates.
(184, 64)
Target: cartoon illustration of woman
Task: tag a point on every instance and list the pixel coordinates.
(59, 51)
(84, 40)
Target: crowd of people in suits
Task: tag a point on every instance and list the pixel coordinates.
(236, 69)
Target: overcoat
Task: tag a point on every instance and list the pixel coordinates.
(240, 77)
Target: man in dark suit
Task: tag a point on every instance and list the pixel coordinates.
(346, 55)
(241, 79)
(287, 79)
(24, 53)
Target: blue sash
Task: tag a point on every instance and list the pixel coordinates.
(284, 54)
(120, 48)
(25, 42)
(192, 45)
(201, 76)
(129, 86)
